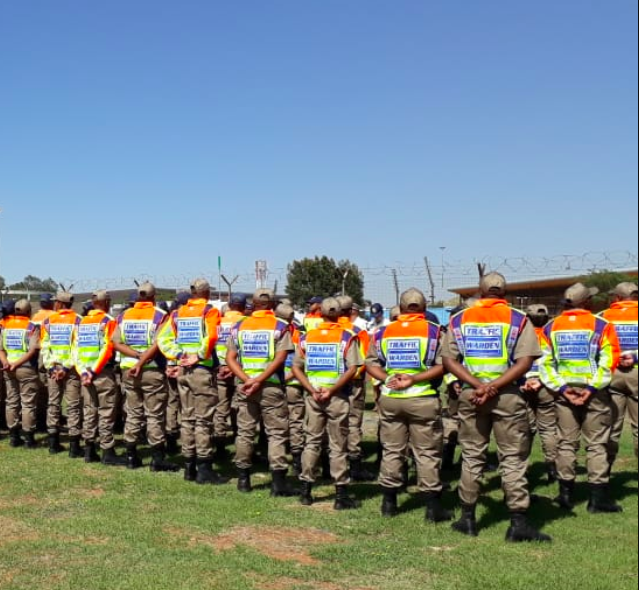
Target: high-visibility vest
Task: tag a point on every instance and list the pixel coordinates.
(408, 347)
(312, 322)
(291, 356)
(41, 315)
(16, 337)
(256, 338)
(487, 335)
(58, 333)
(230, 319)
(192, 330)
(93, 344)
(534, 370)
(624, 317)
(324, 351)
(363, 341)
(579, 349)
(138, 328)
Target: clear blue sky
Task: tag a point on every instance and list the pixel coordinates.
(149, 136)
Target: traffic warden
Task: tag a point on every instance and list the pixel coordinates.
(581, 352)
(328, 359)
(490, 347)
(405, 357)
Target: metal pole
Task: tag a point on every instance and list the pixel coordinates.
(443, 249)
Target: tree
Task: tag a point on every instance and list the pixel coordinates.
(606, 281)
(3, 284)
(35, 285)
(323, 277)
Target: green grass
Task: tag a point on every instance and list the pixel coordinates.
(66, 525)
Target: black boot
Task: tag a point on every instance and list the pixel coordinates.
(405, 477)
(566, 498)
(244, 481)
(30, 441)
(521, 531)
(306, 494)
(55, 448)
(448, 457)
(343, 501)
(90, 454)
(600, 501)
(326, 466)
(111, 459)
(467, 524)
(15, 439)
(159, 464)
(133, 460)
(172, 444)
(297, 464)
(435, 512)
(281, 489)
(553, 474)
(612, 459)
(389, 502)
(206, 475)
(190, 469)
(359, 473)
(221, 452)
(75, 448)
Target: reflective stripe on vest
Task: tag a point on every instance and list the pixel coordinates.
(139, 334)
(488, 348)
(90, 340)
(60, 338)
(325, 356)
(191, 331)
(16, 335)
(411, 354)
(255, 339)
(577, 351)
(224, 331)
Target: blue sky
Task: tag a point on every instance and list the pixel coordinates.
(150, 136)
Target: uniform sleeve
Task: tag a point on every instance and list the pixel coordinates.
(354, 357)
(34, 338)
(211, 321)
(1, 339)
(528, 343)
(373, 357)
(439, 360)
(549, 367)
(285, 343)
(608, 358)
(167, 340)
(117, 335)
(449, 348)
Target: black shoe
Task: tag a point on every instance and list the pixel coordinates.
(30, 441)
(435, 512)
(359, 473)
(172, 444)
(190, 469)
(15, 439)
(467, 524)
(133, 460)
(306, 494)
(553, 475)
(281, 489)
(343, 501)
(448, 458)
(159, 464)
(75, 448)
(521, 531)
(112, 459)
(297, 465)
(55, 448)
(390, 508)
(244, 481)
(566, 498)
(206, 475)
(90, 454)
(600, 501)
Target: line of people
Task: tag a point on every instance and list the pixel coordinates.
(304, 386)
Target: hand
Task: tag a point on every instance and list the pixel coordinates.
(483, 394)
(251, 387)
(533, 385)
(224, 373)
(173, 372)
(13, 368)
(135, 372)
(317, 396)
(87, 379)
(584, 396)
(627, 361)
(325, 395)
(400, 382)
(457, 387)
(190, 360)
(572, 395)
(6, 366)
(59, 375)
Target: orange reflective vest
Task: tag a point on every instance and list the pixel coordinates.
(624, 316)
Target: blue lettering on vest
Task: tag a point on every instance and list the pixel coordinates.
(89, 335)
(573, 346)
(322, 358)
(14, 339)
(256, 345)
(60, 334)
(628, 336)
(403, 355)
(189, 330)
(484, 342)
(136, 333)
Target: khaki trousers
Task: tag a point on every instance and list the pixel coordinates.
(416, 422)
(226, 392)
(451, 417)
(624, 392)
(100, 410)
(146, 397)
(198, 394)
(68, 389)
(593, 422)
(543, 421)
(173, 407)
(270, 405)
(296, 416)
(22, 389)
(506, 415)
(331, 418)
(357, 401)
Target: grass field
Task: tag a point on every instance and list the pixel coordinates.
(67, 525)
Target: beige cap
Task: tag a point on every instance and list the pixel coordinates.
(331, 307)
(625, 290)
(146, 290)
(395, 312)
(537, 310)
(493, 282)
(286, 301)
(64, 297)
(285, 312)
(345, 303)
(264, 295)
(23, 307)
(412, 298)
(579, 293)
(200, 286)
(101, 296)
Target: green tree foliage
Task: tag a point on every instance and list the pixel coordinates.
(323, 277)
(606, 281)
(3, 284)
(35, 285)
